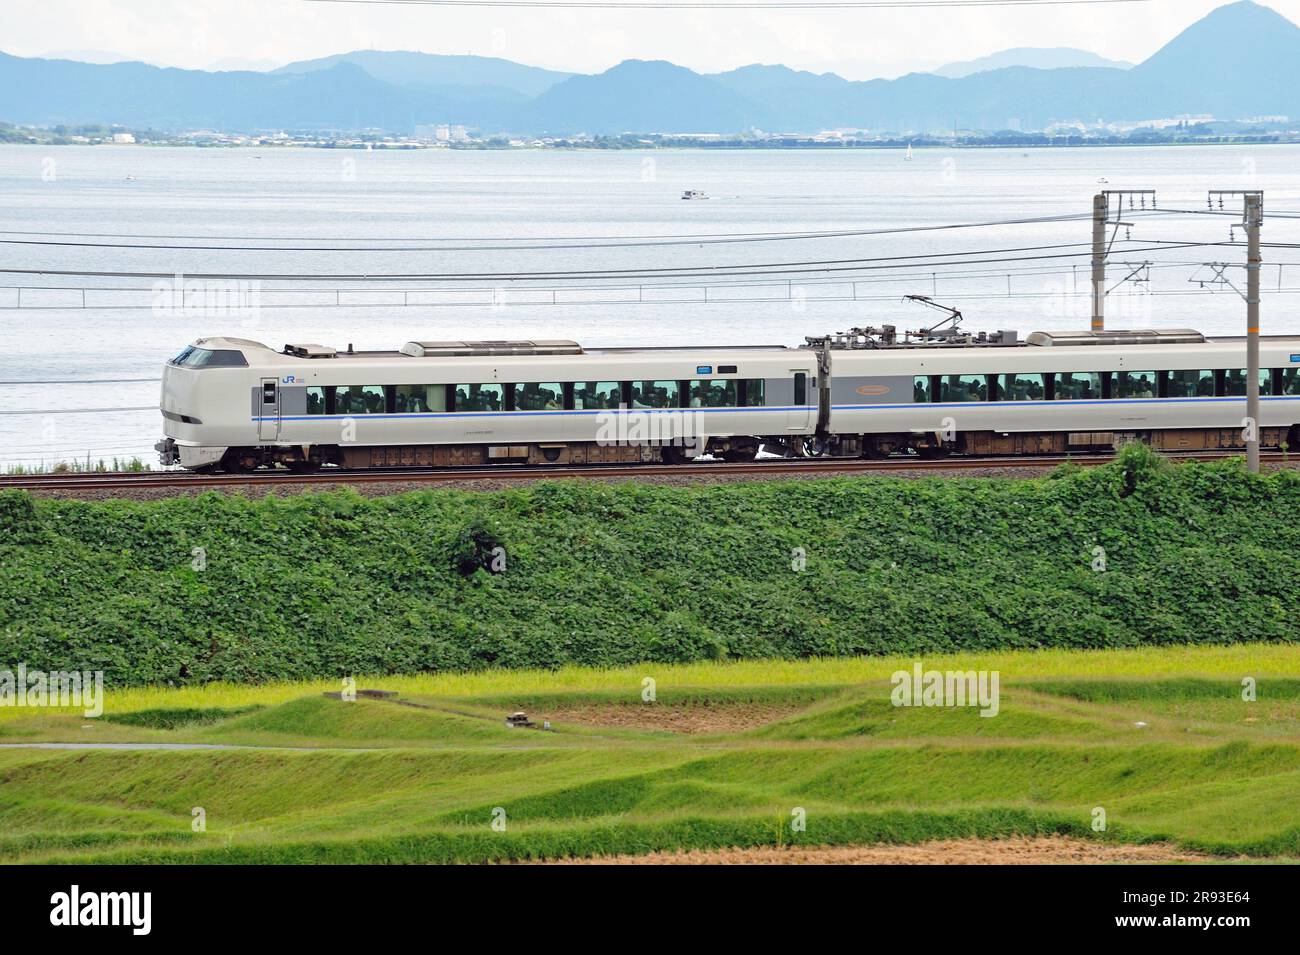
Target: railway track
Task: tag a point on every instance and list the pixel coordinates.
(142, 480)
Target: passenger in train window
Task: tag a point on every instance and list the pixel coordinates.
(600, 395)
(1022, 387)
(315, 400)
(755, 392)
(1134, 384)
(418, 399)
(359, 399)
(539, 396)
(1189, 384)
(1078, 385)
(1234, 382)
(489, 397)
(921, 389)
(963, 388)
(1291, 381)
(654, 394)
(715, 393)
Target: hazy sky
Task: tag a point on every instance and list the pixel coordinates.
(858, 44)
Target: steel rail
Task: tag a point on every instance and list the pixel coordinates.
(141, 480)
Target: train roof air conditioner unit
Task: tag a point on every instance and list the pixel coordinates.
(310, 351)
(1134, 336)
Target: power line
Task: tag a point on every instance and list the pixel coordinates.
(740, 5)
(767, 268)
(704, 299)
(548, 242)
(45, 411)
(78, 381)
(942, 270)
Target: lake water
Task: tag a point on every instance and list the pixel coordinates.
(497, 214)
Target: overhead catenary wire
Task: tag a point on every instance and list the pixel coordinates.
(761, 268)
(348, 297)
(47, 411)
(734, 5)
(704, 299)
(543, 243)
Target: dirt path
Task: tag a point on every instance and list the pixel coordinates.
(686, 718)
(1038, 850)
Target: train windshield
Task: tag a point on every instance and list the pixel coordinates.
(194, 357)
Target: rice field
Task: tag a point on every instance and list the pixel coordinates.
(1158, 743)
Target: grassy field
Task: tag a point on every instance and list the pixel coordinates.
(1158, 738)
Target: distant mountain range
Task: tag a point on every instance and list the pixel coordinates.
(1241, 60)
(1040, 58)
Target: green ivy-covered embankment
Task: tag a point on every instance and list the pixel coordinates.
(187, 590)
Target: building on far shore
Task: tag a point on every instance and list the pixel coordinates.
(441, 133)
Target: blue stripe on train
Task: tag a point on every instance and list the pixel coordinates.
(1159, 402)
(425, 415)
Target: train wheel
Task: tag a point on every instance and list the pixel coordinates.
(238, 461)
(739, 457)
(303, 467)
(672, 454)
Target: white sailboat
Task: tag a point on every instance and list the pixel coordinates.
(908, 157)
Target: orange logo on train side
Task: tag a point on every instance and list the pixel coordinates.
(872, 391)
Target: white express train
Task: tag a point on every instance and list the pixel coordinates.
(237, 405)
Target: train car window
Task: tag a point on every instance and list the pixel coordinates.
(603, 395)
(962, 388)
(655, 394)
(420, 399)
(1290, 381)
(800, 388)
(360, 399)
(225, 358)
(210, 358)
(195, 358)
(726, 369)
(1133, 384)
(1022, 388)
(921, 392)
(315, 400)
(491, 397)
(1234, 382)
(539, 396)
(1078, 385)
(755, 392)
(713, 393)
(1189, 384)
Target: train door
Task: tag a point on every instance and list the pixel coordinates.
(268, 416)
(803, 404)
